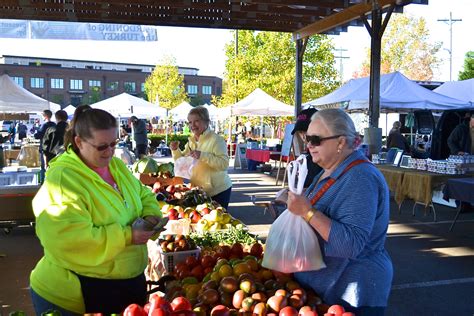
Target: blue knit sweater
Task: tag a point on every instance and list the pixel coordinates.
(359, 270)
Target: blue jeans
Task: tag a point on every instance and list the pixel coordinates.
(41, 305)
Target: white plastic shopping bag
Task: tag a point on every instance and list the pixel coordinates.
(183, 167)
(292, 245)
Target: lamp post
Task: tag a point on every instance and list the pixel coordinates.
(450, 22)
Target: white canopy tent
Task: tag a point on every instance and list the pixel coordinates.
(259, 103)
(461, 90)
(70, 109)
(14, 98)
(180, 112)
(397, 94)
(126, 105)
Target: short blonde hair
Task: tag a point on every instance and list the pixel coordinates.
(201, 112)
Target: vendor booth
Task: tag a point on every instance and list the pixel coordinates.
(126, 105)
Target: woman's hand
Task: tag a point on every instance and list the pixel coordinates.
(140, 236)
(196, 154)
(298, 204)
(174, 145)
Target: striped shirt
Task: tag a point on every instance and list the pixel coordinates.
(359, 270)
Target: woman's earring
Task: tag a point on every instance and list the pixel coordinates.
(339, 150)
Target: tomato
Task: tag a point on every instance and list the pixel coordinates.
(134, 310)
(208, 261)
(256, 250)
(220, 310)
(181, 304)
(197, 272)
(191, 261)
(237, 250)
(158, 302)
(159, 312)
(337, 310)
(348, 314)
(288, 311)
(223, 251)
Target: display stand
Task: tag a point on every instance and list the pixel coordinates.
(286, 149)
(240, 160)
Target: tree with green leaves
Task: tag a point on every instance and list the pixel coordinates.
(94, 95)
(468, 71)
(406, 48)
(166, 85)
(267, 60)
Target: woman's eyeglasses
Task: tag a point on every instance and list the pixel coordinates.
(316, 140)
(103, 147)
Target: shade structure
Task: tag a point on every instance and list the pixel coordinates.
(180, 112)
(259, 103)
(397, 94)
(14, 98)
(462, 90)
(126, 105)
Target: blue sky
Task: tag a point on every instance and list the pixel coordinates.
(204, 48)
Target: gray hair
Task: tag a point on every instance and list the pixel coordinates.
(201, 112)
(339, 123)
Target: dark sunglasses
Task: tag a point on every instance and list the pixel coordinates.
(103, 147)
(316, 140)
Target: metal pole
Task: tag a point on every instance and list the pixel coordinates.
(300, 48)
(450, 21)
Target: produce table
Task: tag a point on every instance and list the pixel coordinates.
(16, 205)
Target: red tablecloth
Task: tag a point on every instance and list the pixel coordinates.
(260, 155)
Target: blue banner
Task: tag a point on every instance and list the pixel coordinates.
(77, 31)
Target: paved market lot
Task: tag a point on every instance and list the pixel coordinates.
(434, 272)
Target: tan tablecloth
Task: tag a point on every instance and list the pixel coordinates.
(414, 184)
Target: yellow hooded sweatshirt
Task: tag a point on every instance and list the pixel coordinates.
(210, 172)
(83, 224)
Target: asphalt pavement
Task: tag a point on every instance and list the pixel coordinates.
(434, 268)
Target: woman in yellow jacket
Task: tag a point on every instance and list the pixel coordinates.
(94, 255)
(210, 151)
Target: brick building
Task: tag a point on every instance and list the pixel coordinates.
(78, 82)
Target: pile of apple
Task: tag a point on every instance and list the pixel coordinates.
(171, 243)
(233, 282)
(206, 216)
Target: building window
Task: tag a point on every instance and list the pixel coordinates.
(142, 87)
(113, 85)
(94, 83)
(192, 89)
(19, 81)
(130, 86)
(37, 83)
(206, 90)
(57, 83)
(75, 84)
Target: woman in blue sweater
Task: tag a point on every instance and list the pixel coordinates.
(348, 206)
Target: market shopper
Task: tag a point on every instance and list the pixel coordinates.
(460, 141)
(395, 138)
(210, 151)
(53, 139)
(47, 114)
(348, 207)
(139, 136)
(86, 214)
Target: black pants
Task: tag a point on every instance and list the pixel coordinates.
(223, 198)
(112, 296)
